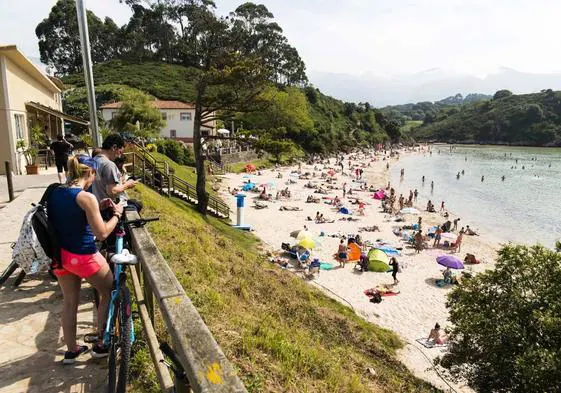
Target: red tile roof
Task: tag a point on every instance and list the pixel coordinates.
(159, 104)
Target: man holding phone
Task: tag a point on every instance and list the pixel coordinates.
(107, 183)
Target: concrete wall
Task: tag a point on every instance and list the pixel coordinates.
(18, 87)
(243, 156)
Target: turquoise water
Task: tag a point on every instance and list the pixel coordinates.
(524, 208)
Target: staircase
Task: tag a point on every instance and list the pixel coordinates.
(156, 174)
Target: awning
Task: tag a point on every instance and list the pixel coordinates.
(57, 113)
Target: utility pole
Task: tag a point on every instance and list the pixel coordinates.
(88, 74)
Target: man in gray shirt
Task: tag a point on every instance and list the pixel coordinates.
(107, 183)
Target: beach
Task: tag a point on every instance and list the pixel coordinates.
(419, 304)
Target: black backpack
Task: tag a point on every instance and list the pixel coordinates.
(45, 230)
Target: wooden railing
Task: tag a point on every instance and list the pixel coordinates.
(156, 174)
(205, 364)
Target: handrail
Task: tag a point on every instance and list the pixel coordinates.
(205, 364)
(156, 177)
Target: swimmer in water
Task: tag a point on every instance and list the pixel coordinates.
(458, 175)
(463, 172)
(503, 178)
(423, 179)
(431, 185)
(482, 178)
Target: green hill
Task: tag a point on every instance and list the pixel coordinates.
(527, 119)
(281, 334)
(336, 125)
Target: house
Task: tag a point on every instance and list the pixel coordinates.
(179, 117)
(28, 98)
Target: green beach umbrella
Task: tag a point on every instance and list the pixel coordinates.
(378, 261)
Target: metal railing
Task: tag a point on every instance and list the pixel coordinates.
(205, 364)
(157, 174)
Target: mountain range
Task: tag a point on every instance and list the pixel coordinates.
(429, 85)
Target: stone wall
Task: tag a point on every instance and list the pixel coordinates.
(242, 156)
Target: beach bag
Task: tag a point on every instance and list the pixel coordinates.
(37, 248)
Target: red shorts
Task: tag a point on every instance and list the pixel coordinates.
(81, 265)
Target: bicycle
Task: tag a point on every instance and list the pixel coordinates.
(119, 330)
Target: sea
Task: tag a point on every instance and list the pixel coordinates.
(523, 208)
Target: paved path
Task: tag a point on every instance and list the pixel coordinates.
(31, 345)
(24, 182)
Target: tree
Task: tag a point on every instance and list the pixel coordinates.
(59, 38)
(393, 131)
(278, 147)
(138, 116)
(502, 94)
(505, 335)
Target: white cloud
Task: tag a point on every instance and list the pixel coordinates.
(375, 37)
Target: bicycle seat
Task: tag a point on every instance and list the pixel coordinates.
(124, 259)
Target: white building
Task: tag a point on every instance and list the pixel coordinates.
(28, 98)
(179, 117)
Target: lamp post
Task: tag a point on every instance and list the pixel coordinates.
(88, 73)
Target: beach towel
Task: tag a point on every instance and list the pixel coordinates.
(430, 344)
(326, 266)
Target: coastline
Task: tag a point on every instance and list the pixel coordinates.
(420, 303)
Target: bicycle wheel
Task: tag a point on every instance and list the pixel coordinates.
(120, 349)
(8, 272)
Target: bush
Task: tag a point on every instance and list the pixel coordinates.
(505, 335)
(177, 151)
(151, 147)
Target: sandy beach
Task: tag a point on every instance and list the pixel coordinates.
(419, 304)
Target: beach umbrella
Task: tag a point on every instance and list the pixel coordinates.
(307, 243)
(379, 195)
(331, 172)
(248, 186)
(249, 168)
(378, 261)
(450, 261)
(409, 210)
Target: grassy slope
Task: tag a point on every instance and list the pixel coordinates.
(259, 164)
(282, 334)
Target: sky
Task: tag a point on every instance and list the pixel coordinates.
(373, 39)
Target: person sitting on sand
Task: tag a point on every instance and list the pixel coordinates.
(263, 196)
(430, 207)
(437, 335)
(470, 259)
(342, 253)
(312, 199)
(447, 274)
(470, 231)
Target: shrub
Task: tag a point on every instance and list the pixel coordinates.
(177, 151)
(505, 335)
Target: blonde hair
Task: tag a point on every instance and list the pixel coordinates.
(76, 170)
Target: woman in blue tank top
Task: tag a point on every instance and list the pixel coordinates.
(76, 218)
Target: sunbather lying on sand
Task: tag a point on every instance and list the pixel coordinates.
(349, 219)
(290, 208)
(373, 228)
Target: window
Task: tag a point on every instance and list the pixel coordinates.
(20, 121)
(172, 133)
(185, 116)
(113, 114)
(164, 116)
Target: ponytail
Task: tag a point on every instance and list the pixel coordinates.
(76, 170)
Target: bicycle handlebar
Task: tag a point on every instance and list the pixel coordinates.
(139, 222)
